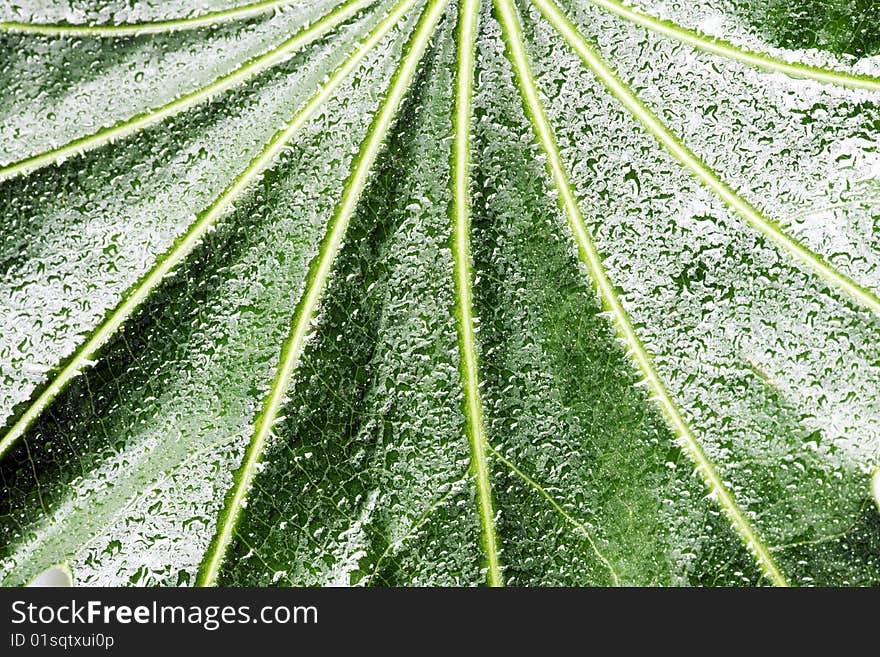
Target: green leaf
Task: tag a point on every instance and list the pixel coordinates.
(845, 27)
(439, 292)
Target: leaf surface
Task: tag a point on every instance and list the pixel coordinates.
(428, 292)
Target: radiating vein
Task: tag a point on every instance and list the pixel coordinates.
(316, 282)
(730, 51)
(875, 487)
(211, 19)
(473, 404)
(827, 538)
(558, 507)
(861, 295)
(186, 243)
(242, 74)
(591, 258)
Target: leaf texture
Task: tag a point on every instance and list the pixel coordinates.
(439, 292)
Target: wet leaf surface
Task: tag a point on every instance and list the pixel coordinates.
(440, 293)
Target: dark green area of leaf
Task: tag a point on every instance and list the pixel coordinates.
(849, 27)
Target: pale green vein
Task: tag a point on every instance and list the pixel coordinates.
(476, 429)
(574, 521)
(99, 531)
(686, 157)
(268, 568)
(185, 244)
(824, 539)
(152, 27)
(247, 71)
(730, 51)
(317, 280)
(591, 258)
(58, 575)
(861, 203)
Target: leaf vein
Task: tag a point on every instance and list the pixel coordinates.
(728, 50)
(188, 242)
(212, 19)
(473, 405)
(678, 149)
(558, 507)
(239, 76)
